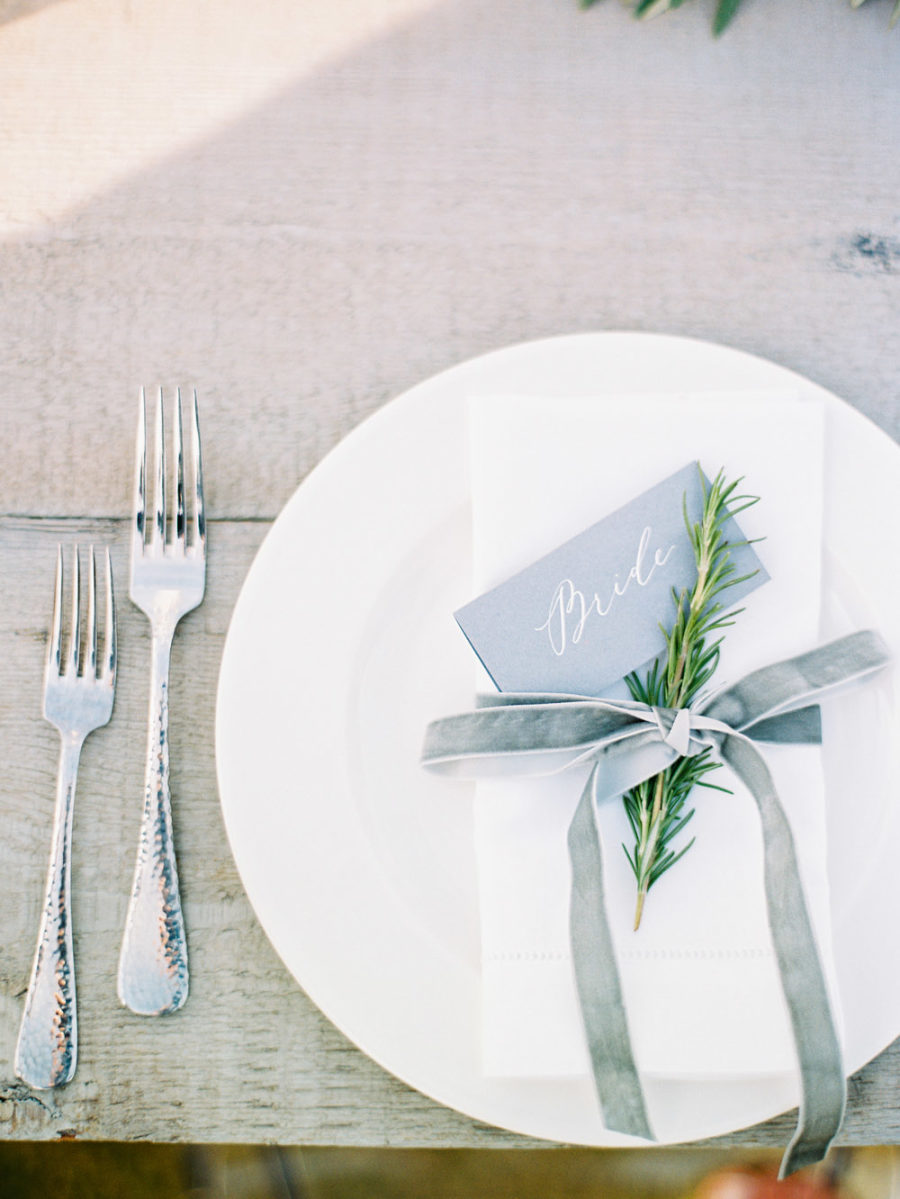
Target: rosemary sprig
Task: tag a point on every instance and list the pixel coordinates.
(656, 808)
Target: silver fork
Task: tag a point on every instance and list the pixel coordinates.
(78, 698)
(168, 577)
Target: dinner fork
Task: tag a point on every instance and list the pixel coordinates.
(168, 578)
(78, 698)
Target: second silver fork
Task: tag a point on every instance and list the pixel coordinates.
(168, 576)
(78, 697)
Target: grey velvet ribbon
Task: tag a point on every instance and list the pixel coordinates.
(628, 742)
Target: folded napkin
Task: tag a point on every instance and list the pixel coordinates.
(699, 978)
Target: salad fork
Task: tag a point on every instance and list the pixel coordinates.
(168, 576)
(78, 698)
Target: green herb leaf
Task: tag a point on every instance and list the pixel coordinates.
(725, 10)
(724, 14)
(656, 808)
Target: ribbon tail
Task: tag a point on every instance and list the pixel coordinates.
(615, 1074)
(823, 1085)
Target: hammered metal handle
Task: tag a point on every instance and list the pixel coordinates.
(47, 1048)
(153, 965)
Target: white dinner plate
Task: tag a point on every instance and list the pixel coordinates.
(342, 647)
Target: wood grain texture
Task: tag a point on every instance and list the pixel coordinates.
(303, 209)
(249, 1058)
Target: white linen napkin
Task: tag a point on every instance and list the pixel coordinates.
(699, 977)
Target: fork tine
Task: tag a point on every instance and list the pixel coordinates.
(73, 656)
(159, 527)
(178, 437)
(92, 616)
(140, 473)
(109, 644)
(200, 510)
(54, 646)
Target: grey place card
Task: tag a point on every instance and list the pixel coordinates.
(588, 613)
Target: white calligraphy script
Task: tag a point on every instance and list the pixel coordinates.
(570, 610)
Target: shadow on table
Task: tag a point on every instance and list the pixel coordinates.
(11, 10)
(465, 179)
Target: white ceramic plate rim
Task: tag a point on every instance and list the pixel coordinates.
(389, 501)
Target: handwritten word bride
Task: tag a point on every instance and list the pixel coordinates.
(569, 610)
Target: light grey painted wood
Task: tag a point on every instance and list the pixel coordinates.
(249, 1058)
(474, 175)
(303, 211)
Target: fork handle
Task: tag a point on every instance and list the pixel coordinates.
(47, 1048)
(153, 965)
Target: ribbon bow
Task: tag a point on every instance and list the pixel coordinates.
(628, 742)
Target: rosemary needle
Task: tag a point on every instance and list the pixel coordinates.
(657, 809)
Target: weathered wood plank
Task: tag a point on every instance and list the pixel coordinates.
(467, 176)
(303, 214)
(249, 1058)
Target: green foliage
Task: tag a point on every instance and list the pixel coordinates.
(656, 808)
(725, 10)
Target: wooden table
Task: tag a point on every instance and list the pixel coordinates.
(303, 208)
